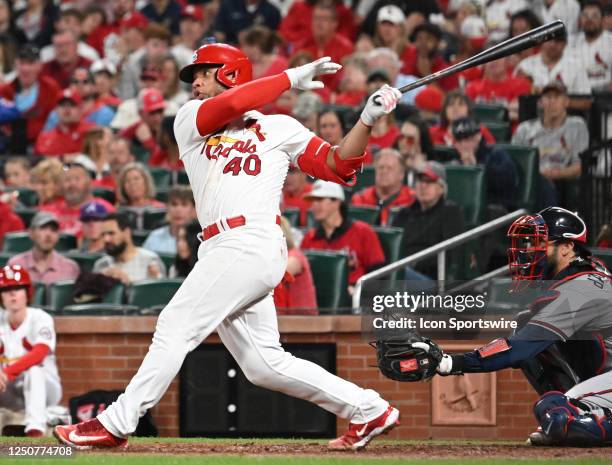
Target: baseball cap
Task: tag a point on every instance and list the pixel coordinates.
(391, 13)
(379, 74)
(133, 20)
(93, 210)
(325, 190)
(150, 100)
(475, 30)
(554, 86)
(432, 29)
(465, 127)
(29, 52)
(71, 96)
(100, 66)
(430, 99)
(433, 171)
(194, 12)
(44, 218)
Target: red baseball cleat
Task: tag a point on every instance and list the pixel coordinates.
(359, 436)
(87, 434)
(35, 433)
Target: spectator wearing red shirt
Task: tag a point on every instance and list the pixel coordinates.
(424, 58)
(167, 154)
(11, 222)
(353, 85)
(335, 231)
(295, 188)
(35, 96)
(66, 60)
(388, 190)
(67, 137)
(259, 44)
(456, 105)
(104, 73)
(145, 132)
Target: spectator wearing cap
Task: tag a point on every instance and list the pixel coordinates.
(390, 31)
(43, 262)
(47, 182)
(456, 105)
(70, 19)
(260, 45)
(34, 23)
(123, 260)
(559, 138)
(35, 96)
(235, 16)
(66, 138)
(93, 109)
(388, 190)
(92, 215)
(428, 101)
(166, 13)
(502, 179)
(555, 63)
(104, 75)
(336, 231)
(146, 131)
(66, 59)
(566, 10)
(498, 14)
(191, 31)
(431, 219)
(415, 11)
(423, 56)
(76, 186)
(296, 187)
(180, 211)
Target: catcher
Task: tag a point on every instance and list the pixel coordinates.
(563, 343)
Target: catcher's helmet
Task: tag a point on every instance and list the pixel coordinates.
(529, 237)
(15, 277)
(235, 67)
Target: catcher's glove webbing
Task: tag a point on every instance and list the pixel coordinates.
(411, 358)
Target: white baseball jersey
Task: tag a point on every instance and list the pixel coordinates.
(498, 16)
(568, 70)
(37, 328)
(566, 10)
(239, 170)
(596, 57)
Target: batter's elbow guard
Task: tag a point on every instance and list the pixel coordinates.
(314, 163)
(568, 425)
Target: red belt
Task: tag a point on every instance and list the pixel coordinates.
(213, 229)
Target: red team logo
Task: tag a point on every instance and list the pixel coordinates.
(222, 146)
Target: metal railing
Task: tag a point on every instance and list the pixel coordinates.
(438, 249)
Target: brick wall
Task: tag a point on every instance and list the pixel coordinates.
(104, 353)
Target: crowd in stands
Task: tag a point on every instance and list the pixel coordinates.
(89, 91)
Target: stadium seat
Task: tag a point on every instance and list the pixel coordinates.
(115, 295)
(181, 177)
(60, 294)
(162, 194)
(28, 197)
(26, 214)
(444, 154)
(363, 213)
(466, 187)
(605, 255)
(66, 242)
(4, 257)
(393, 211)
(365, 178)
(293, 216)
(485, 112)
(100, 309)
(168, 259)
(105, 193)
(17, 242)
(38, 295)
(499, 129)
(330, 274)
(527, 162)
(391, 241)
(85, 260)
(161, 177)
(141, 154)
(152, 292)
(139, 236)
(153, 218)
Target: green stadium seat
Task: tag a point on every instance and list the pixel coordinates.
(161, 177)
(181, 178)
(391, 241)
(85, 260)
(499, 129)
(466, 187)
(527, 162)
(152, 292)
(105, 193)
(153, 218)
(5, 257)
(115, 295)
(26, 214)
(38, 295)
(444, 154)
(100, 309)
(138, 237)
(485, 112)
(66, 242)
(330, 274)
(162, 194)
(60, 294)
(293, 216)
(393, 211)
(141, 154)
(364, 213)
(17, 242)
(168, 259)
(28, 197)
(365, 179)
(605, 255)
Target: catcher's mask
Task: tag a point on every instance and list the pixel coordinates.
(528, 245)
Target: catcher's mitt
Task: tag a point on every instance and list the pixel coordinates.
(411, 358)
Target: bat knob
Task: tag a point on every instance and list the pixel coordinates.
(377, 101)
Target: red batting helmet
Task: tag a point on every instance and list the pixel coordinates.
(15, 276)
(235, 67)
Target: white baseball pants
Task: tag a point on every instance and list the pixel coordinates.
(229, 289)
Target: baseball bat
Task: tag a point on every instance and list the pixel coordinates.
(549, 31)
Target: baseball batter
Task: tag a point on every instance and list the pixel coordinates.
(237, 160)
(29, 377)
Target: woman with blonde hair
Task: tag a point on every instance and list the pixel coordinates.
(47, 182)
(136, 191)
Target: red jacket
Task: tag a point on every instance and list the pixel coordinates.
(62, 140)
(61, 73)
(368, 196)
(409, 60)
(298, 201)
(48, 94)
(337, 48)
(11, 222)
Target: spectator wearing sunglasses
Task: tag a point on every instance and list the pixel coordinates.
(414, 145)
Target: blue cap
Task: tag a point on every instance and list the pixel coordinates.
(93, 210)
